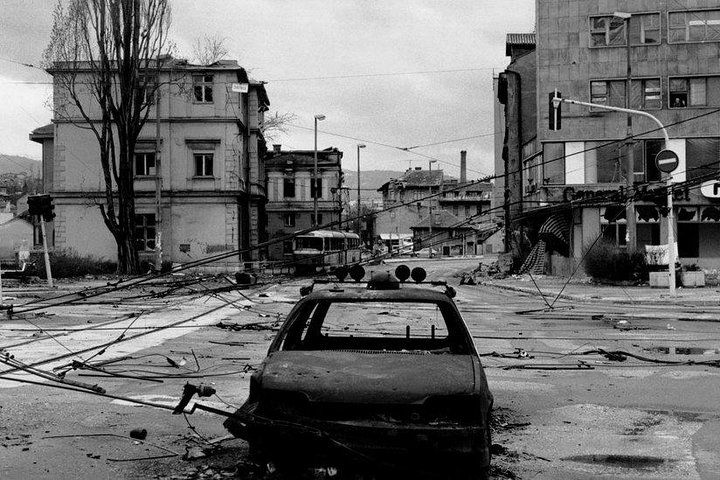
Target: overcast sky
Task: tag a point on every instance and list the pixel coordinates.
(290, 43)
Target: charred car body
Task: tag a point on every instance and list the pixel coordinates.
(381, 375)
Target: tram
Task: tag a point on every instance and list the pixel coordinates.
(325, 249)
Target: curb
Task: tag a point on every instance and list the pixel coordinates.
(580, 298)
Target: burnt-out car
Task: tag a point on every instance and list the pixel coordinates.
(388, 377)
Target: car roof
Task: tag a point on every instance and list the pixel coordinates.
(406, 293)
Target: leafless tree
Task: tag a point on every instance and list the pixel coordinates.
(209, 49)
(106, 57)
(275, 124)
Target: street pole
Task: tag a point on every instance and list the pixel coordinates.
(360, 145)
(158, 183)
(631, 223)
(48, 272)
(315, 173)
(671, 215)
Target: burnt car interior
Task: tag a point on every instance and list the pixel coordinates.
(374, 326)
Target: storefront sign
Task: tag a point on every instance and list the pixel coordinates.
(642, 193)
(710, 189)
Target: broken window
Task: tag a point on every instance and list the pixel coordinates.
(145, 231)
(144, 164)
(203, 88)
(652, 95)
(203, 164)
(607, 92)
(607, 31)
(694, 26)
(554, 163)
(316, 191)
(645, 29)
(289, 187)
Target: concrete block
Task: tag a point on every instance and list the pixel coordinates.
(693, 279)
(659, 280)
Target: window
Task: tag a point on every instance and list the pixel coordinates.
(203, 164)
(688, 238)
(144, 164)
(289, 187)
(319, 219)
(607, 31)
(145, 231)
(287, 247)
(316, 192)
(610, 163)
(148, 88)
(289, 219)
(553, 163)
(652, 95)
(203, 88)
(645, 29)
(456, 210)
(702, 156)
(645, 168)
(607, 92)
(694, 26)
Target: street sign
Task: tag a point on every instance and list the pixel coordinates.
(239, 87)
(666, 161)
(710, 189)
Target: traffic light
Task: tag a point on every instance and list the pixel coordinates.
(555, 111)
(41, 205)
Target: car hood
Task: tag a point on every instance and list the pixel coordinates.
(368, 377)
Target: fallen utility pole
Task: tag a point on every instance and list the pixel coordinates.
(557, 101)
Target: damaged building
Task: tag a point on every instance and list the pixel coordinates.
(211, 146)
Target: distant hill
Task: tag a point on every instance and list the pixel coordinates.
(370, 181)
(18, 164)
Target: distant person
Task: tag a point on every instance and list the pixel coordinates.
(679, 103)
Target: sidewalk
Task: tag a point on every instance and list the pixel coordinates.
(582, 290)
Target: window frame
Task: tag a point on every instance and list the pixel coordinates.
(607, 95)
(686, 27)
(314, 188)
(643, 89)
(204, 156)
(144, 226)
(688, 79)
(642, 16)
(201, 81)
(606, 31)
(144, 154)
(289, 219)
(287, 180)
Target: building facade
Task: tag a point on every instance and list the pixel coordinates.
(291, 189)
(211, 145)
(587, 170)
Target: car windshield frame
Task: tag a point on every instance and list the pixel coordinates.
(312, 312)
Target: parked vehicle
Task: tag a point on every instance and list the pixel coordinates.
(378, 375)
(325, 249)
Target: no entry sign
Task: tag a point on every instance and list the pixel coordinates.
(666, 161)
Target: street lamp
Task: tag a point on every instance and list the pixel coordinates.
(318, 117)
(360, 145)
(430, 162)
(631, 227)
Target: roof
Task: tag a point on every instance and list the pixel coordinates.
(328, 234)
(442, 219)
(303, 157)
(519, 40)
(408, 292)
(43, 133)
(417, 178)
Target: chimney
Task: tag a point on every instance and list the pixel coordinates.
(276, 147)
(463, 166)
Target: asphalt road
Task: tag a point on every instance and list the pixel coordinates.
(561, 412)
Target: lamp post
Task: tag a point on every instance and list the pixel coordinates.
(360, 145)
(315, 174)
(630, 154)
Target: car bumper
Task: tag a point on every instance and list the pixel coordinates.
(365, 441)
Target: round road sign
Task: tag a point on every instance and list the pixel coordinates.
(666, 161)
